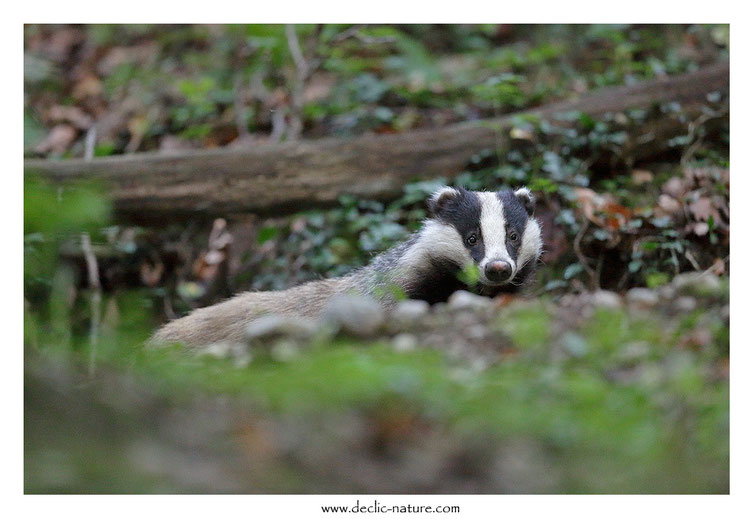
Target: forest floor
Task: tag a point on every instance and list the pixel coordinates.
(592, 393)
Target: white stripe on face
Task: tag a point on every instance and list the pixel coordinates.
(492, 223)
(531, 243)
(436, 236)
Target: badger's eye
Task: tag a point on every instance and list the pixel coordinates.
(471, 240)
(513, 236)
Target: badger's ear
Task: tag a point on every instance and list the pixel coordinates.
(441, 198)
(526, 198)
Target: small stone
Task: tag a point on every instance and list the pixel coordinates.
(667, 292)
(408, 315)
(574, 344)
(475, 332)
(285, 350)
(219, 350)
(463, 300)
(606, 299)
(634, 351)
(411, 309)
(273, 325)
(242, 358)
(669, 205)
(696, 283)
(237, 352)
(404, 342)
(355, 315)
(642, 297)
(684, 304)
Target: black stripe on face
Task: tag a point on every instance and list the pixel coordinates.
(516, 218)
(463, 211)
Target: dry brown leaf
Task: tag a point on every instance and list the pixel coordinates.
(702, 209)
(700, 228)
(602, 209)
(707, 173)
(87, 86)
(62, 42)
(318, 87)
(219, 237)
(70, 114)
(675, 187)
(214, 257)
(298, 224)
(667, 205)
(588, 200)
(58, 140)
(151, 275)
(697, 338)
(718, 266)
(616, 216)
(641, 176)
(140, 55)
(203, 269)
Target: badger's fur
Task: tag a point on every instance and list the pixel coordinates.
(493, 231)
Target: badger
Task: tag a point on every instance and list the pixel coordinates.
(492, 234)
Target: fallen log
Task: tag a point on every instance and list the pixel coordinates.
(291, 176)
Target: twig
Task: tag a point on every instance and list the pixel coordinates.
(95, 298)
(298, 57)
(692, 260)
(693, 127)
(580, 255)
(258, 90)
(708, 270)
(239, 107)
(675, 262)
(355, 32)
(302, 73)
(278, 125)
(90, 142)
(598, 272)
(168, 307)
(348, 33)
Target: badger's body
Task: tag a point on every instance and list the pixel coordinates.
(492, 231)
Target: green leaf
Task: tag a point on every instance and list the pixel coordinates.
(265, 234)
(469, 275)
(573, 270)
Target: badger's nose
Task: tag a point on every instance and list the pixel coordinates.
(498, 270)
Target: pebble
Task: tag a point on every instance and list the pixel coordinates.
(574, 344)
(354, 315)
(667, 292)
(606, 299)
(697, 282)
(239, 353)
(285, 350)
(219, 350)
(634, 351)
(404, 342)
(411, 309)
(684, 304)
(476, 332)
(274, 325)
(463, 300)
(642, 297)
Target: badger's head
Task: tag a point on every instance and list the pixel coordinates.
(494, 231)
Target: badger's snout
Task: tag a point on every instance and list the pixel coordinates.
(498, 271)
